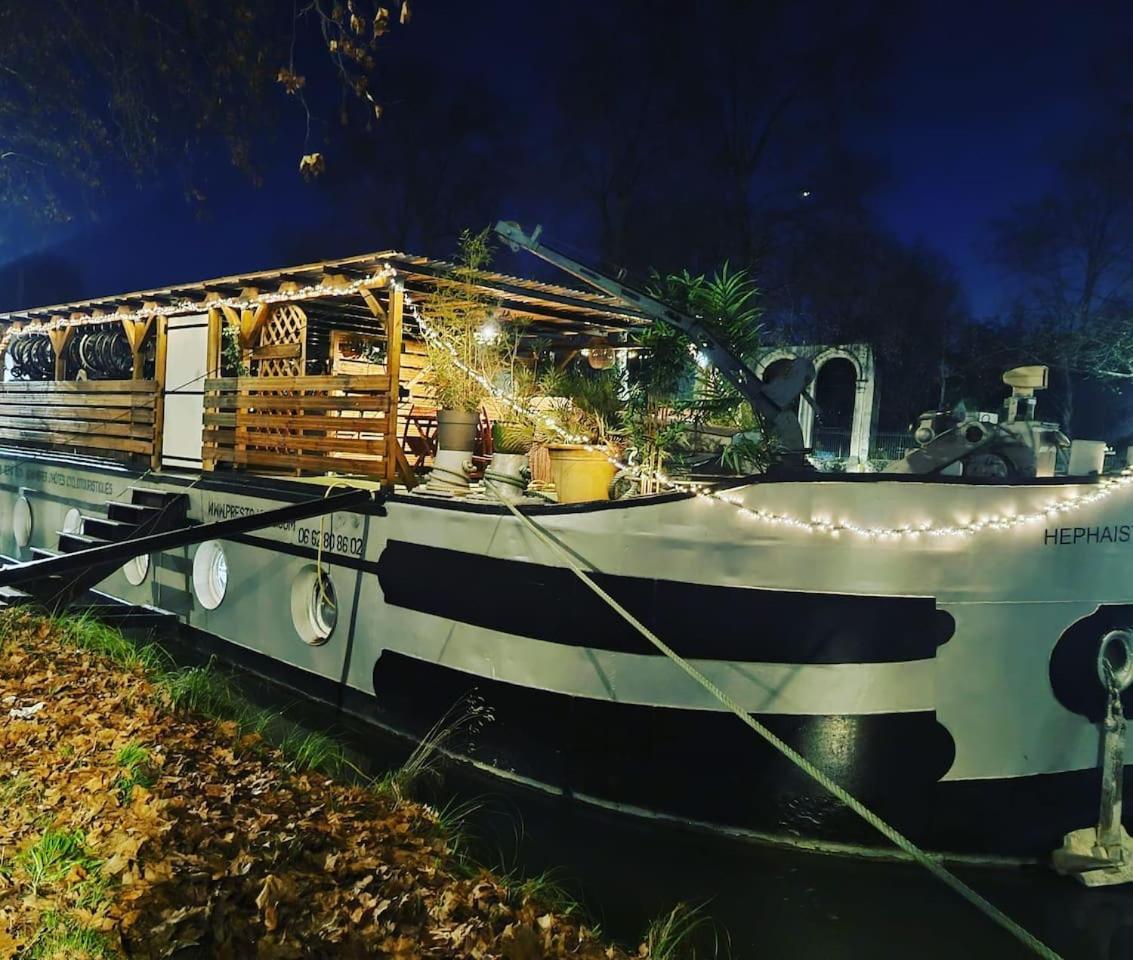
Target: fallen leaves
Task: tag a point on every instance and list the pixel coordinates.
(226, 849)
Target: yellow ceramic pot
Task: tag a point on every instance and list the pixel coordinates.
(580, 473)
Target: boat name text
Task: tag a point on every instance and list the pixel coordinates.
(1068, 536)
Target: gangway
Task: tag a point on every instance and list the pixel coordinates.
(151, 522)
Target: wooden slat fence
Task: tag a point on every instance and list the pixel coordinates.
(301, 425)
(110, 418)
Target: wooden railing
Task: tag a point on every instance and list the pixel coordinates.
(114, 418)
(338, 424)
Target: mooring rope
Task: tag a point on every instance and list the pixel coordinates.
(929, 862)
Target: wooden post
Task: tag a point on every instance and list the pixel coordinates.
(215, 343)
(59, 337)
(393, 369)
(136, 331)
(159, 389)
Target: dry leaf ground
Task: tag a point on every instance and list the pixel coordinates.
(129, 827)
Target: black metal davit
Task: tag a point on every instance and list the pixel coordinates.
(136, 529)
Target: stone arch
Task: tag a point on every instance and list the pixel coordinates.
(860, 356)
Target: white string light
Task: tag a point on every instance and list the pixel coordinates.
(499, 394)
(834, 528)
(1106, 488)
(180, 307)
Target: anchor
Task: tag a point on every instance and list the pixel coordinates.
(1103, 855)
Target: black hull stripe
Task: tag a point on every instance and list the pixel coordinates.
(695, 766)
(736, 624)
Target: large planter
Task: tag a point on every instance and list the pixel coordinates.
(580, 473)
(456, 438)
(456, 430)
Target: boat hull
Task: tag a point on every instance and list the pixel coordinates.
(944, 680)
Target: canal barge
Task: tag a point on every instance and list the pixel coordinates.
(929, 641)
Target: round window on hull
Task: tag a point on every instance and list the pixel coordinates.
(136, 570)
(314, 605)
(210, 574)
(22, 522)
(73, 521)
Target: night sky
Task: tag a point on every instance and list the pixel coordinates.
(974, 101)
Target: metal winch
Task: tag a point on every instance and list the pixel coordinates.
(1008, 445)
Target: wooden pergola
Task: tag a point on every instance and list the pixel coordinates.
(277, 417)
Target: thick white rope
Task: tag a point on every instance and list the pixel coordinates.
(929, 862)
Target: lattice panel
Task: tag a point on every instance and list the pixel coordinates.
(287, 325)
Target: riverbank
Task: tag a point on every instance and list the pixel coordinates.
(144, 814)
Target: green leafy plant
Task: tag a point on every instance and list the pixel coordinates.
(93, 635)
(467, 343)
(746, 453)
(511, 436)
(673, 388)
(200, 689)
(587, 403)
(231, 353)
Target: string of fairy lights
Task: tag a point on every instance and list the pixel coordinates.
(1106, 487)
(834, 527)
(321, 290)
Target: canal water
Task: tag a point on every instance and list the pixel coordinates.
(764, 903)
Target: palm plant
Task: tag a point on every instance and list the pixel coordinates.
(673, 388)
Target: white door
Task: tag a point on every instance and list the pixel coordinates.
(185, 366)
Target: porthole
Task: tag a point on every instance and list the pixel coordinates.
(314, 605)
(22, 522)
(73, 521)
(136, 570)
(210, 574)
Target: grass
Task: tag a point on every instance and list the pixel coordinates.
(465, 717)
(201, 690)
(62, 861)
(53, 856)
(673, 935)
(92, 891)
(205, 691)
(14, 788)
(137, 770)
(63, 938)
(546, 887)
(312, 751)
(88, 633)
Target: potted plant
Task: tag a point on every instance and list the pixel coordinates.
(464, 349)
(586, 403)
(508, 473)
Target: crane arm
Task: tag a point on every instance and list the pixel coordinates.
(774, 401)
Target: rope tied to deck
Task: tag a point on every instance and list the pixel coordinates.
(926, 860)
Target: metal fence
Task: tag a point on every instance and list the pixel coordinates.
(831, 447)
